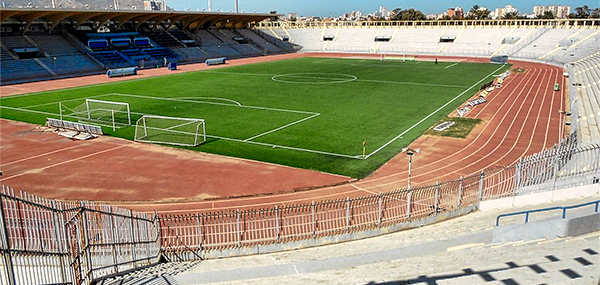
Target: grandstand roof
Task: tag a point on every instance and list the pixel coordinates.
(188, 20)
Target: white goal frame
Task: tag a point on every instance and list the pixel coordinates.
(199, 135)
(89, 111)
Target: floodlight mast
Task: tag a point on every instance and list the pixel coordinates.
(410, 152)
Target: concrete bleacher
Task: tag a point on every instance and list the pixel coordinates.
(190, 54)
(586, 79)
(260, 41)
(55, 45)
(17, 42)
(247, 50)
(18, 70)
(355, 39)
(544, 43)
(208, 39)
(224, 38)
(221, 51)
(79, 64)
(473, 42)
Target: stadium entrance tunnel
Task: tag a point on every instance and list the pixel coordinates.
(314, 78)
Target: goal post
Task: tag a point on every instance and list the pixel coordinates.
(111, 111)
(170, 130)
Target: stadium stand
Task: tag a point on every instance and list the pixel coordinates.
(259, 41)
(208, 39)
(585, 79)
(247, 50)
(220, 51)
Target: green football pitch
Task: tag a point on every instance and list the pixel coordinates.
(312, 113)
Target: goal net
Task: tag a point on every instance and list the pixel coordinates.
(170, 130)
(99, 111)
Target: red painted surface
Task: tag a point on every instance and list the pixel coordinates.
(519, 119)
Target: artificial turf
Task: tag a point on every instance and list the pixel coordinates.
(312, 113)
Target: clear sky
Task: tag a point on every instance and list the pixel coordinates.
(338, 7)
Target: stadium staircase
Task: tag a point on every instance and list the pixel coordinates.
(56, 58)
(458, 251)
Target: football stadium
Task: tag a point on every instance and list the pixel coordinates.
(181, 147)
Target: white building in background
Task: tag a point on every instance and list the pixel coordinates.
(559, 11)
(499, 12)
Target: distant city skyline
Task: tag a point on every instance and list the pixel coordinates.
(336, 8)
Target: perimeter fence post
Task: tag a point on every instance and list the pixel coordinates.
(518, 167)
(239, 234)
(113, 239)
(481, 178)
(158, 231)
(380, 208)
(6, 251)
(87, 248)
(460, 180)
(408, 197)
(437, 194)
(133, 245)
(199, 221)
(347, 214)
(277, 234)
(59, 239)
(314, 220)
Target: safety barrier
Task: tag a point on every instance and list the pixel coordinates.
(49, 242)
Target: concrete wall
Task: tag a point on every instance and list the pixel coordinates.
(547, 229)
(540, 198)
(319, 241)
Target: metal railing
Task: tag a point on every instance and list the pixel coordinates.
(553, 23)
(564, 211)
(50, 242)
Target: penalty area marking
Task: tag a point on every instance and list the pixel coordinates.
(432, 113)
(326, 78)
(451, 65)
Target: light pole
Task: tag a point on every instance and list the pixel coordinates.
(410, 152)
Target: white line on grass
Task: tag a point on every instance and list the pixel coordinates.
(432, 113)
(52, 103)
(267, 144)
(281, 128)
(357, 80)
(215, 98)
(411, 83)
(215, 103)
(450, 65)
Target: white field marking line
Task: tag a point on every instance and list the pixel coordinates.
(181, 125)
(216, 98)
(449, 66)
(52, 103)
(412, 83)
(282, 127)
(214, 103)
(64, 162)
(362, 189)
(285, 147)
(265, 144)
(323, 60)
(432, 113)
(46, 153)
(96, 122)
(327, 80)
(361, 80)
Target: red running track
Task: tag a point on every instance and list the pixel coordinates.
(519, 119)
